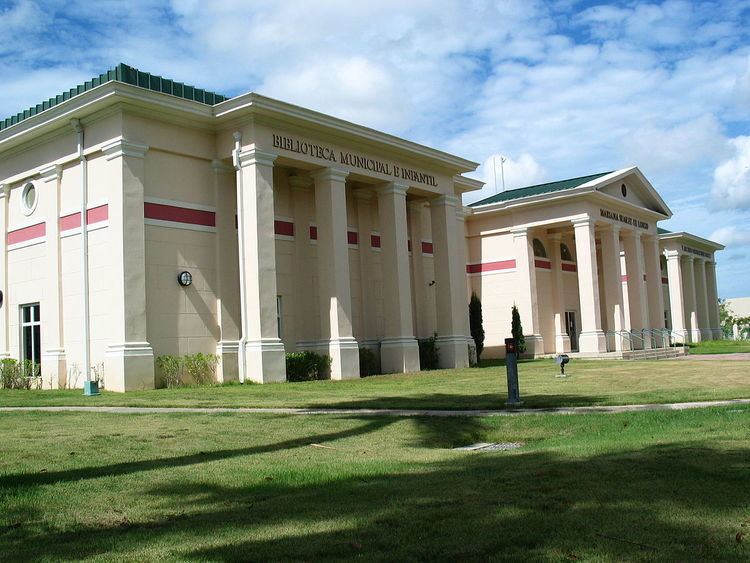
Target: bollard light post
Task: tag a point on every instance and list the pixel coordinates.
(511, 366)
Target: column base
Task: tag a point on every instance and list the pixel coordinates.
(55, 371)
(129, 367)
(265, 360)
(317, 346)
(695, 335)
(228, 369)
(562, 343)
(718, 334)
(707, 334)
(593, 342)
(534, 345)
(453, 352)
(399, 355)
(344, 354)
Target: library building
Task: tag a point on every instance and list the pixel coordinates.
(144, 217)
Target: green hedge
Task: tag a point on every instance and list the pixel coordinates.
(307, 366)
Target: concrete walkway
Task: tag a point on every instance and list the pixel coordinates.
(731, 356)
(388, 412)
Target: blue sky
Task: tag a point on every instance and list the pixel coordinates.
(560, 88)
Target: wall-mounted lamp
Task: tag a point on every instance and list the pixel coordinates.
(184, 278)
(431, 283)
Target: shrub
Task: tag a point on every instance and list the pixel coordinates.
(475, 324)
(306, 366)
(170, 368)
(368, 363)
(429, 353)
(19, 375)
(200, 368)
(516, 330)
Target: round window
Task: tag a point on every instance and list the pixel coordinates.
(28, 199)
(624, 190)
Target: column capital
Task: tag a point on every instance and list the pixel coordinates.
(445, 199)
(672, 254)
(4, 191)
(300, 182)
(554, 237)
(123, 147)
(330, 174)
(519, 232)
(363, 194)
(219, 167)
(393, 188)
(582, 221)
(462, 212)
(417, 204)
(51, 173)
(631, 233)
(611, 227)
(252, 156)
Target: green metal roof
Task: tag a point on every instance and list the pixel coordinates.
(661, 231)
(128, 75)
(538, 189)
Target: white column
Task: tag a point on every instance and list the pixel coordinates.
(592, 339)
(611, 268)
(677, 296)
(334, 287)
(227, 273)
(691, 310)
(417, 267)
(306, 335)
(399, 351)
(54, 365)
(450, 282)
(4, 334)
(129, 360)
(261, 351)
(527, 302)
(654, 289)
(713, 301)
(461, 214)
(701, 297)
(364, 199)
(634, 269)
(562, 340)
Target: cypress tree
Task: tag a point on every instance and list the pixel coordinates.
(516, 330)
(475, 323)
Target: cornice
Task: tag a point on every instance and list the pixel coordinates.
(122, 147)
(51, 172)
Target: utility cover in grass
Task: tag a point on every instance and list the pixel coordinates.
(490, 447)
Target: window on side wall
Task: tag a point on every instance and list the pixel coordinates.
(31, 333)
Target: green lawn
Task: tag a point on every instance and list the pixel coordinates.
(720, 347)
(590, 383)
(650, 486)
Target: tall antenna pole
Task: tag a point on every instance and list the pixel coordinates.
(502, 172)
(494, 171)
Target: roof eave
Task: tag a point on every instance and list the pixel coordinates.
(692, 238)
(253, 102)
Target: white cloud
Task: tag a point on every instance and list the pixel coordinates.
(659, 149)
(731, 186)
(520, 172)
(731, 237)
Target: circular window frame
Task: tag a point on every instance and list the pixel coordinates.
(624, 190)
(25, 207)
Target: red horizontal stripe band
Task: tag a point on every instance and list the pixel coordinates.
(543, 264)
(490, 266)
(27, 233)
(351, 237)
(313, 232)
(427, 248)
(569, 267)
(162, 212)
(375, 241)
(665, 280)
(93, 215)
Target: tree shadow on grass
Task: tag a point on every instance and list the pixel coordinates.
(666, 502)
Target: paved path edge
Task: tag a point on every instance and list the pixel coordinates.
(386, 412)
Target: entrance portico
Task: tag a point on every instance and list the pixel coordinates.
(579, 258)
(362, 242)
